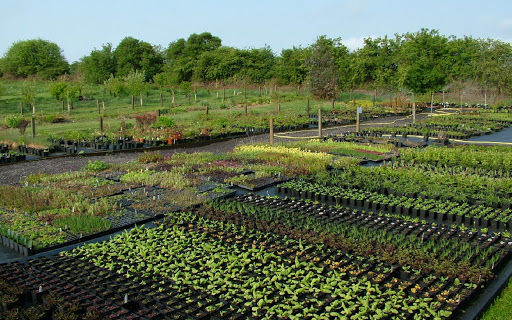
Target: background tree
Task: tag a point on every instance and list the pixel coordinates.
(323, 69)
(421, 66)
(34, 58)
(291, 67)
(99, 65)
(182, 55)
(132, 54)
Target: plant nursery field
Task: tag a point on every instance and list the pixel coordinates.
(309, 229)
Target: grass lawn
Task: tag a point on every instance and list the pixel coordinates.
(501, 308)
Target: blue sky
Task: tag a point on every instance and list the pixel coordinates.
(79, 26)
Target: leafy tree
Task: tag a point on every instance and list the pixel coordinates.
(132, 54)
(186, 87)
(422, 61)
(291, 66)
(99, 65)
(35, 57)
(71, 96)
(58, 90)
(323, 67)
(161, 80)
(134, 84)
(182, 55)
(114, 85)
(28, 95)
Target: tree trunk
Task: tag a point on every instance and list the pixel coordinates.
(161, 100)
(69, 106)
(62, 106)
(245, 108)
(103, 104)
(98, 106)
(189, 98)
(33, 108)
(141, 99)
(245, 93)
(195, 95)
(278, 107)
(259, 91)
(133, 102)
(223, 95)
(374, 97)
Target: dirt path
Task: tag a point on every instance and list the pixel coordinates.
(13, 174)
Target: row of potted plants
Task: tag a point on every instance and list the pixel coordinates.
(438, 210)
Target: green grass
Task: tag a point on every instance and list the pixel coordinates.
(191, 119)
(501, 308)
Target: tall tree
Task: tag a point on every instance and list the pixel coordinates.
(132, 54)
(422, 64)
(99, 65)
(323, 66)
(35, 57)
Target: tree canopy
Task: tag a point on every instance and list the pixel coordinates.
(35, 57)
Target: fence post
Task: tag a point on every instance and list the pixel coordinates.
(319, 123)
(271, 131)
(33, 123)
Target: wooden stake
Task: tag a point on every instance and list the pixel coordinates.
(319, 123)
(245, 108)
(278, 107)
(33, 123)
(358, 117)
(103, 104)
(98, 106)
(133, 102)
(161, 100)
(271, 131)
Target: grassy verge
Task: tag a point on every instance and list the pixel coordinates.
(501, 308)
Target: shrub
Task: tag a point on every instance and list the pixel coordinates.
(144, 120)
(13, 121)
(150, 157)
(164, 122)
(96, 166)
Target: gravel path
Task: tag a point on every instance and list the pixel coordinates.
(13, 174)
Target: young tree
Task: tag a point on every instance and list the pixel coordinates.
(28, 95)
(187, 89)
(114, 86)
(134, 83)
(161, 80)
(71, 96)
(58, 91)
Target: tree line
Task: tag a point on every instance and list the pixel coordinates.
(412, 63)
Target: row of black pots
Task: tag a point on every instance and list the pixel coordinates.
(11, 158)
(469, 221)
(34, 151)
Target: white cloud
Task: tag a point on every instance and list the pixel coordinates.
(354, 43)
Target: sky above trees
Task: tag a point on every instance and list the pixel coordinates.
(78, 26)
